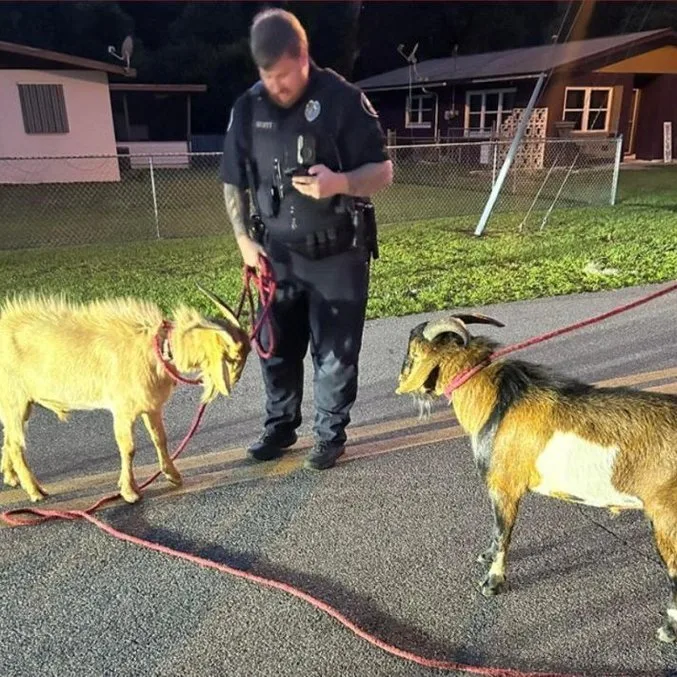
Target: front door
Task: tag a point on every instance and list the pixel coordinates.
(631, 131)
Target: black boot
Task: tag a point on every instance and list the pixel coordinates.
(271, 445)
(323, 455)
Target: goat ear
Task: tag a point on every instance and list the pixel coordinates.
(478, 318)
(221, 305)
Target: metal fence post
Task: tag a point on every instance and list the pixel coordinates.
(493, 171)
(152, 187)
(617, 168)
(521, 128)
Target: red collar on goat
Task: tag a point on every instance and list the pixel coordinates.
(464, 376)
(163, 347)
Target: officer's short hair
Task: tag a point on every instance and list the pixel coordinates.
(275, 33)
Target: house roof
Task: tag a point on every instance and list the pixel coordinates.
(159, 88)
(34, 57)
(524, 62)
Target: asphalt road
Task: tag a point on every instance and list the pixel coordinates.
(388, 537)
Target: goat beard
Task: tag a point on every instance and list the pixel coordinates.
(424, 403)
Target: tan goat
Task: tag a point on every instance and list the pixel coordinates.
(65, 357)
(535, 431)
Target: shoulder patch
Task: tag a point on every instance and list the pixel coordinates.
(367, 107)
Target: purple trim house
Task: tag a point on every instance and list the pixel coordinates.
(603, 87)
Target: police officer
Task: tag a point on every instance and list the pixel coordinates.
(306, 143)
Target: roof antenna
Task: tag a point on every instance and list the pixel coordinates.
(412, 57)
(411, 60)
(125, 51)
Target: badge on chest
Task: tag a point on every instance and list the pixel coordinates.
(312, 110)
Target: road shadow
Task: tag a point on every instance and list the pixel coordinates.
(361, 609)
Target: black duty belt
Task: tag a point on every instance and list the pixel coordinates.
(322, 243)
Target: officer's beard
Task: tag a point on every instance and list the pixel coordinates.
(288, 100)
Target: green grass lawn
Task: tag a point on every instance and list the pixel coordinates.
(425, 265)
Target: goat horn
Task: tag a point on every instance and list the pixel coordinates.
(477, 318)
(221, 305)
(449, 324)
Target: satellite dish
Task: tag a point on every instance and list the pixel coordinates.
(125, 51)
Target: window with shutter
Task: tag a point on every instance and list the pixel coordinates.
(44, 109)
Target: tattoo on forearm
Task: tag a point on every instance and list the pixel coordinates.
(236, 206)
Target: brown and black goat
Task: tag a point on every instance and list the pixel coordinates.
(102, 355)
(535, 431)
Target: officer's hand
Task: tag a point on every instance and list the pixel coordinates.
(321, 182)
(250, 251)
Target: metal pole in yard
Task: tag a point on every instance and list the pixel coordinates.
(617, 168)
(510, 156)
(152, 186)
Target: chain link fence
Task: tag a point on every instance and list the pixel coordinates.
(66, 201)
(456, 179)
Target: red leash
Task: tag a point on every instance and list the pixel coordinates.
(266, 285)
(464, 376)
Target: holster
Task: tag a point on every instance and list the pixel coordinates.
(364, 224)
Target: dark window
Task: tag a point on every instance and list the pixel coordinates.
(44, 109)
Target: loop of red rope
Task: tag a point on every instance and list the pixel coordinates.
(266, 285)
(464, 376)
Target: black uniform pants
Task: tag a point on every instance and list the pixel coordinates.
(319, 303)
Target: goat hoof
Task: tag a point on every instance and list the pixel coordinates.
(10, 479)
(173, 477)
(493, 585)
(37, 493)
(130, 496)
(667, 634)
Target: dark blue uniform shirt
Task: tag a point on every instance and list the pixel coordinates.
(333, 116)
